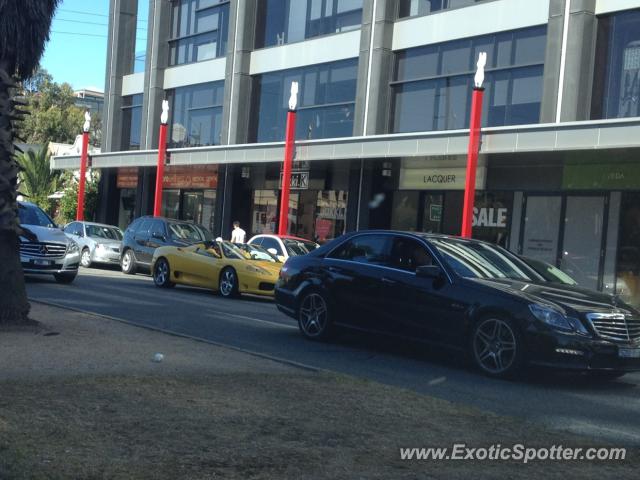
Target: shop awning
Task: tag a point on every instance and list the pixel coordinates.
(554, 137)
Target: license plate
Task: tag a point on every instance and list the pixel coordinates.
(629, 352)
(42, 262)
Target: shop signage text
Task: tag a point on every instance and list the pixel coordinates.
(437, 178)
(489, 217)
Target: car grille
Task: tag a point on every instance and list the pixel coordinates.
(43, 249)
(266, 286)
(615, 326)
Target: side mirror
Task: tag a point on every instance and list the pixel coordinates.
(159, 236)
(272, 251)
(429, 271)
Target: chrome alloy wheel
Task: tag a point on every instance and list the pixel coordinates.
(313, 315)
(161, 273)
(126, 261)
(494, 346)
(85, 259)
(227, 283)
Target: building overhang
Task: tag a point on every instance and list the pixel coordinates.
(553, 137)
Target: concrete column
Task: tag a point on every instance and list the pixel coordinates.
(237, 86)
(375, 67)
(159, 32)
(576, 79)
(120, 58)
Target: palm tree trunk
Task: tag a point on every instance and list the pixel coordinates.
(14, 306)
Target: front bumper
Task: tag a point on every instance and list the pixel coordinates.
(39, 266)
(577, 352)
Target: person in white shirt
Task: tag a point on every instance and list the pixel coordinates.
(238, 235)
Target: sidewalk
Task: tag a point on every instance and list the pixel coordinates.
(90, 402)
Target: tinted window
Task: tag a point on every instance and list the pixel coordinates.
(188, 232)
(72, 228)
(408, 254)
(298, 247)
(480, 260)
(32, 215)
(196, 115)
(157, 228)
(371, 249)
(411, 8)
(257, 241)
(131, 122)
(96, 231)
(268, 243)
(133, 227)
(144, 227)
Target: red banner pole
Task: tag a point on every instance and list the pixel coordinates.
(472, 161)
(162, 154)
(290, 138)
(83, 174)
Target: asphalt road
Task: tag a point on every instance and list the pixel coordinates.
(604, 411)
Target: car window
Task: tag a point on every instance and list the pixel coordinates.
(157, 228)
(105, 233)
(32, 215)
(408, 254)
(71, 229)
(254, 252)
(133, 226)
(257, 241)
(188, 232)
(231, 251)
(481, 260)
(372, 249)
(298, 247)
(144, 227)
(268, 243)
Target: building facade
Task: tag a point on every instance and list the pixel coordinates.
(384, 102)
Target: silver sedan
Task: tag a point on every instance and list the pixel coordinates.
(98, 243)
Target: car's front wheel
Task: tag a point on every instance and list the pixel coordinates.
(85, 258)
(65, 277)
(228, 283)
(497, 347)
(162, 274)
(314, 318)
(128, 263)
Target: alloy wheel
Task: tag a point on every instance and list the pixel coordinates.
(494, 346)
(313, 315)
(85, 259)
(227, 283)
(161, 274)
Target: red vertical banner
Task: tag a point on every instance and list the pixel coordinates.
(83, 175)
(162, 155)
(475, 124)
(289, 146)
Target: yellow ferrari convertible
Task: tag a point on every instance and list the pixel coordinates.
(223, 266)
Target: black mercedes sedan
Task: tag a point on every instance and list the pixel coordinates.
(467, 294)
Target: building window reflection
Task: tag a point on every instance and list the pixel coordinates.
(326, 102)
(199, 30)
(287, 21)
(413, 8)
(131, 122)
(617, 82)
(432, 84)
(196, 115)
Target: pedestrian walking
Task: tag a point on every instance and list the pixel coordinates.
(238, 235)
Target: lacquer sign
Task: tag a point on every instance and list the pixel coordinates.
(437, 178)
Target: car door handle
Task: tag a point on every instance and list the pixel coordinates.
(388, 281)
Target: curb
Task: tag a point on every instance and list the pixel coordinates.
(265, 356)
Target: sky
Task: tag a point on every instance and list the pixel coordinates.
(77, 49)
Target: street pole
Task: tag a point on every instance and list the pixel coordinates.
(83, 166)
(289, 146)
(475, 124)
(162, 154)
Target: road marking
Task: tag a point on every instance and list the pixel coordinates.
(260, 320)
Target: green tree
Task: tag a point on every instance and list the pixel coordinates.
(69, 200)
(24, 30)
(53, 114)
(37, 180)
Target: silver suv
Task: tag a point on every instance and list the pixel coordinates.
(52, 253)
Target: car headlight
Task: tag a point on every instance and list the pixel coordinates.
(557, 319)
(100, 246)
(258, 270)
(73, 247)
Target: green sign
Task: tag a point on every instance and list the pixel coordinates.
(601, 176)
(435, 213)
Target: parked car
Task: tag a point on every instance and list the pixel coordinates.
(98, 243)
(549, 272)
(53, 253)
(283, 246)
(217, 265)
(145, 234)
(467, 294)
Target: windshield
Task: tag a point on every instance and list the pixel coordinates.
(231, 251)
(480, 260)
(256, 252)
(549, 272)
(32, 215)
(106, 233)
(298, 247)
(189, 232)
